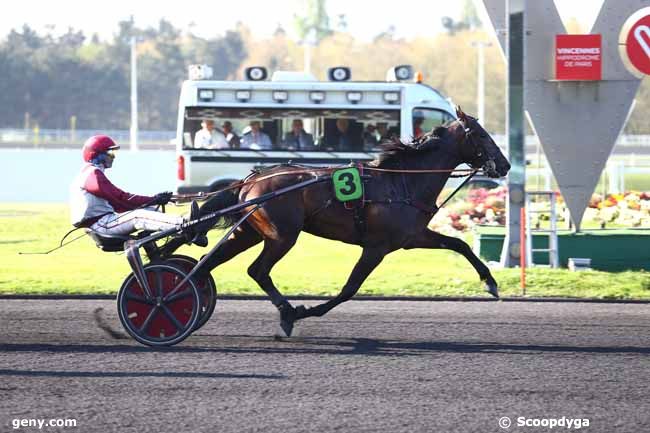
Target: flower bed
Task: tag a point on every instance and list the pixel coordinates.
(631, 209)
(482, 206)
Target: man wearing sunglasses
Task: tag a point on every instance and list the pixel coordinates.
(97, 204)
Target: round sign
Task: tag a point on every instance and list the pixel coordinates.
(635, 37)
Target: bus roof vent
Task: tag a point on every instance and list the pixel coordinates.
(292, 76)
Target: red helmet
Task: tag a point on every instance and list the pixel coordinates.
(96, 145)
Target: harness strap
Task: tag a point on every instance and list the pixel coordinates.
(421, 206)
(431, 210)
(358, 208)
(359, 217)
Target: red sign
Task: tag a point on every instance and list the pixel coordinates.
(578, 57)
(637, 44)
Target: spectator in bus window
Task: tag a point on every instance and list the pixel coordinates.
(370, 137)
(298, 138)
(341, 139)
(418, 119)
(386, 134)
(255, 138)
(208, 137)
(231, 137)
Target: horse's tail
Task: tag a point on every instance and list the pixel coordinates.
(222, 200)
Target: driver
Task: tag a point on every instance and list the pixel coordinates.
(99, 205)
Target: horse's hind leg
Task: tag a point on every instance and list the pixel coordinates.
(370, 259)
(239, 241)
(260, 271)
(433, 240)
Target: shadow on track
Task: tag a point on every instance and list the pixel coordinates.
(138, 374)
(328, 346)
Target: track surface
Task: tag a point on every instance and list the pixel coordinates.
(367, 366)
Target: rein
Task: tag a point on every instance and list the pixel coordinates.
(458, 188)
(181, 198)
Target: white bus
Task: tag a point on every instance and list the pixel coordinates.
(346, 120)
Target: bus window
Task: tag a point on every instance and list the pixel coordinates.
(426, 119)
(311, 129)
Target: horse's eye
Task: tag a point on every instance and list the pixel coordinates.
(483, 135)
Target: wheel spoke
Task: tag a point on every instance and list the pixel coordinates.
(178, 295)
(148, 320)
(137, 298)
(159, 282)
(179, 326)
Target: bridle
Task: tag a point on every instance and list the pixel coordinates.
(474, 153)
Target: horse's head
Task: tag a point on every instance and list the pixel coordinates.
(477, 148)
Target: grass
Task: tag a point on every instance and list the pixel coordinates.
(314, 267)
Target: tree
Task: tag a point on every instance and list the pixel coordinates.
(469, 15)
(469, 19)
(276, 53)
(315, 23)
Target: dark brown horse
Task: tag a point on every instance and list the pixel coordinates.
(396, 213)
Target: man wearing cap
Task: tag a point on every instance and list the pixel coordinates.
(97, 204)
(231, 137)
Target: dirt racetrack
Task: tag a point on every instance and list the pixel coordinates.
(367, 366)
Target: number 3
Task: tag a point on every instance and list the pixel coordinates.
(350, 187)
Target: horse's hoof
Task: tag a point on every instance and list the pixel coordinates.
(287, 318)
(492, 288)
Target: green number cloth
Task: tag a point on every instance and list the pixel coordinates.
(347, 184)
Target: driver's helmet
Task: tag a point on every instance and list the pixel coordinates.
(96, 146)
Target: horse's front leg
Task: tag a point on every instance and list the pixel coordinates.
(433, 240)
(370, 259)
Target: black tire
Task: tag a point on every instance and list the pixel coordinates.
(155, 320)
(207, 287)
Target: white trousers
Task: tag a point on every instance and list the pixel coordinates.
(139, 219)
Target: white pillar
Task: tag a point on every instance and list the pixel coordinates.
(307, 58)
(480, 97)
(134, 96)
(480, 80)
(309, 41)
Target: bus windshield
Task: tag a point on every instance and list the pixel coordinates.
(297, 129)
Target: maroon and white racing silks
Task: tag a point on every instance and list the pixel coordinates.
(92, 196)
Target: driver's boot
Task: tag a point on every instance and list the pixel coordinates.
(195, 235)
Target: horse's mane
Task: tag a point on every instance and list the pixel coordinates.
(395, 150)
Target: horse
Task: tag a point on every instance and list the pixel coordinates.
(396, 211)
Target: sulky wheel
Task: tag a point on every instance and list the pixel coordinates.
(207, 287)
(165, 318)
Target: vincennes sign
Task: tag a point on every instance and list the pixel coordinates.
(578, 57)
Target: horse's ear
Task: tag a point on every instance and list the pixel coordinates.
(460, 113)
